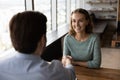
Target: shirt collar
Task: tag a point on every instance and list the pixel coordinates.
(26, 56)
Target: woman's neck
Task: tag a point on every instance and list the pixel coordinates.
(81, 36)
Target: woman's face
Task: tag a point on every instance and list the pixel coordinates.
(79, 22)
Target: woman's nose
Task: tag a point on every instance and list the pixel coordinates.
(77, 23)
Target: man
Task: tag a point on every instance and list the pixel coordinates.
(28, 36)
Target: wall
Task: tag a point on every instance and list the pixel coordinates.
(104, 9)
(119, 11)
(118, 27)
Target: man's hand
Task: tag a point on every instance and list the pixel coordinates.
(66, 60)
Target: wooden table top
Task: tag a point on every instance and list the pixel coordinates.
(83, 73)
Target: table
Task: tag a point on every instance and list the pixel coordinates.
(83, 73)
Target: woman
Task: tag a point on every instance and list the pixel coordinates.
(80, 44)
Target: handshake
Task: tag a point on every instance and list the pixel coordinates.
(66, 60)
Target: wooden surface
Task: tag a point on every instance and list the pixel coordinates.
(110, 58)
(97, 74)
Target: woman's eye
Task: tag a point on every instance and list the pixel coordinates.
(80, 20)
(73, 21)
(77, 21)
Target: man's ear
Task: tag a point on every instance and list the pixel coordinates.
(41, 45)
(43, 41)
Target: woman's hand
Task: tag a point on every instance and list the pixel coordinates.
(66, 60)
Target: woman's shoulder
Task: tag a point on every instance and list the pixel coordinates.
(93, 35)
(68, 36)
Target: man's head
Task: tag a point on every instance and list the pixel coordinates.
(26, 30)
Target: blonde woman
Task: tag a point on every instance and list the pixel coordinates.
(81, 44)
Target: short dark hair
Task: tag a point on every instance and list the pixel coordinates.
(26, 30)
(89, 27)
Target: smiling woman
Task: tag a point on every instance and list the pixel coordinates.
(80, 43)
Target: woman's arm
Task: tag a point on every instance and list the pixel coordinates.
(80, 63)
(66, 58)
(96, 61)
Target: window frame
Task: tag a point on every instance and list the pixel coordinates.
(56, 32)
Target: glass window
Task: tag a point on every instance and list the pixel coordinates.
(44, 6)
(7, 9)
(72, 5)
(61, 12)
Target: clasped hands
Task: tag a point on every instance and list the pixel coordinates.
(66, 60)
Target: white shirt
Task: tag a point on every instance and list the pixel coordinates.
(18, 66)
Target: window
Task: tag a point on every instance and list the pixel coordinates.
(44, 6)
(73, 5)
(7, 10)
(56, 11)
(61, 12)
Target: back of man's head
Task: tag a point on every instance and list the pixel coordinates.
(26, 30)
